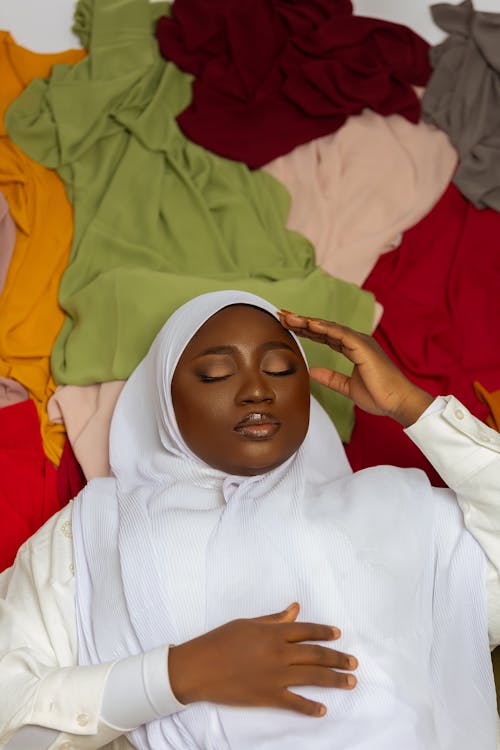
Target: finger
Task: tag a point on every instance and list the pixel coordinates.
(289, 614)
(320, 677)
(300, 327)
(304, 333)
(334, 380)
(302, 705)
(356, 346)
(320, 337)
(334, 335)
(333, 330)
(301, 654)
(289, 318)
(340, 338)
(310, 631)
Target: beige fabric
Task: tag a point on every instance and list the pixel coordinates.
(86, 412)
(355, 191)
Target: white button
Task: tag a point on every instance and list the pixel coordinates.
(459, 414)
(82, 720)
(66, 746)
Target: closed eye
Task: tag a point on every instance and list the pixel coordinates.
(212, 379)
(281, 373)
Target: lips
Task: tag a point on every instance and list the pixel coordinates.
(258, 426)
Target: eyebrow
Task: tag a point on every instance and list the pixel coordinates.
(231, 349)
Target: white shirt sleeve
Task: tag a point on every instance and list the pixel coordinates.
(45, 696)
(136, 691)
(466, 453)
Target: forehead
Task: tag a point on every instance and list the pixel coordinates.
(239, 326)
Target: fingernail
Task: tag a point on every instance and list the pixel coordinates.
(336, 633)
(353, 662)
(322, 711)
(351, 681)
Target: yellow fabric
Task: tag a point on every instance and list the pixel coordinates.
(492, 401)
(30, 317)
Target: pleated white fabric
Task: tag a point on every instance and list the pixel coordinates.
(171, 548)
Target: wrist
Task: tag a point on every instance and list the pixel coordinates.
(182, 682)
(188, 671)
(412, 406)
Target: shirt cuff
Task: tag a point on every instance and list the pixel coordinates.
(454, 441)
(70, 699)
(138, 691)
(438, 405)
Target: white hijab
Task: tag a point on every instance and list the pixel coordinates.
(307, 531)
(146, 446)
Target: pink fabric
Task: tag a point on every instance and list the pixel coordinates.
(7, 239)
(355, 191)
(11, 392)
(86, 412)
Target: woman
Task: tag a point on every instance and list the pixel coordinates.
(227, 504)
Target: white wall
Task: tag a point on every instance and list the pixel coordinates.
(40, 25)
(415, 13)
(44, 25)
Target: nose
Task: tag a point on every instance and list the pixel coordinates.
(255, 388)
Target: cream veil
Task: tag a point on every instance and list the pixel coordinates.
(170, 547)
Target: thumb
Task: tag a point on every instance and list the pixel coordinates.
(287, 615)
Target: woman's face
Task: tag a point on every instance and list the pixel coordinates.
(241, 392)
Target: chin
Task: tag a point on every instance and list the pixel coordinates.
(254, 469)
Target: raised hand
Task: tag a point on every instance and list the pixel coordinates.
(253, 662)
(376, 385)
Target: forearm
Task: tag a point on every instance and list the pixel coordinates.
(136, 690)
(466, 453)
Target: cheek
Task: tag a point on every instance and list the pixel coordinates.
(199, 412)
(214, 405)
(296, 403)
